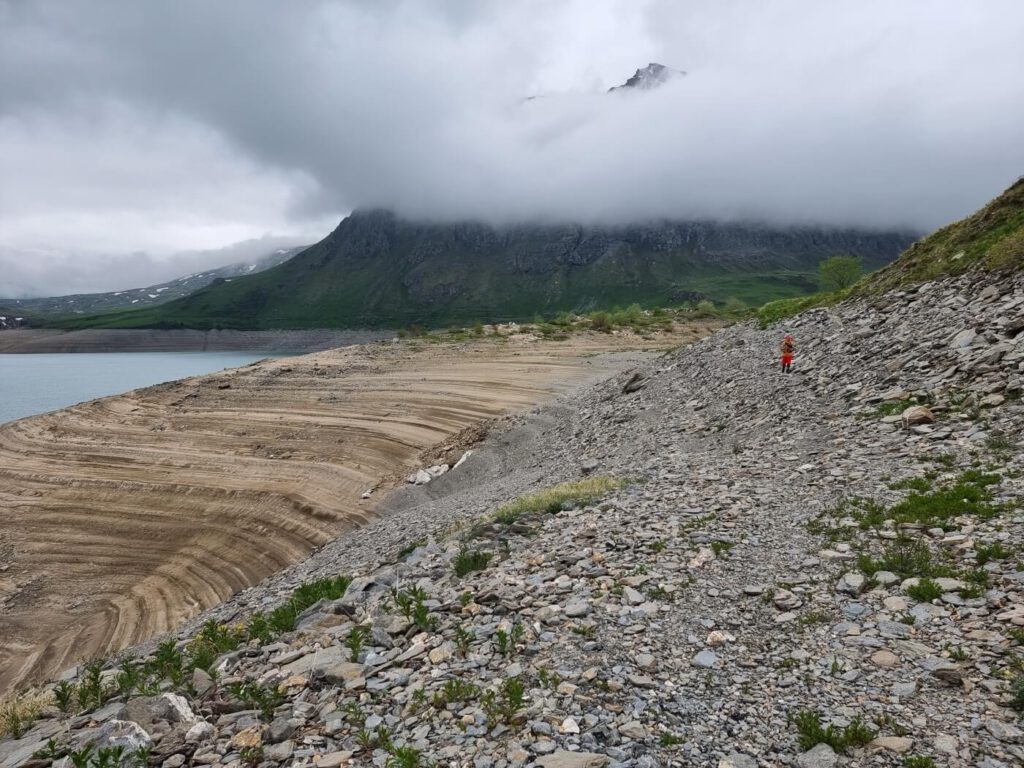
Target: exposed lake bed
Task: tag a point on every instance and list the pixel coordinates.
(130, 514)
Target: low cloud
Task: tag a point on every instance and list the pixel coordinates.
(33, 273)
(145, 126)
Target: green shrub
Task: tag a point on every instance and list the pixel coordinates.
(502, 705)
(212, 641)
(990, 552)
(469, 560)
(265, 698)
(838, 272)
(282, 619)
(92, 693)
(906, 558)
(355, 640)
(925, 591)
(404, 757)
(1017, 693)
(600, 321)
(810, 732)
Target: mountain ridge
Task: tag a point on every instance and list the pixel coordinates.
(151, 295)
(378, 269)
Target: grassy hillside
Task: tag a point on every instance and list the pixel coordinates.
(377, 270)
(992, 238)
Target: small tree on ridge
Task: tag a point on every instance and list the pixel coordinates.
(838, 272)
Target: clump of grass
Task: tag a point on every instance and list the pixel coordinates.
(409, 548)
(1002, 446)
(925, 591)
(810, 732)
(958, 654)
(553, 499)
(968, 495)
(891, 408)
(469, 560)
(814, 617)
(251, 756)
(404, 757)
(906, 558)
(919, 484)
(18, 713)
(990, 552)
(918, 761)
(721, 547)
(282, 619)
(213, 640)
(867, 512)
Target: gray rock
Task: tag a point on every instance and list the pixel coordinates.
(821, 756)
(705, 659)
(563, 759)
(851, 583)
(577, 608)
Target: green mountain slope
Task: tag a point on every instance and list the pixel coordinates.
(378, 270)
(992, 238)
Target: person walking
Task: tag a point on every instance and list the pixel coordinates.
(786, 348)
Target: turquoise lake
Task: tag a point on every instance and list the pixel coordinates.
(31, 384)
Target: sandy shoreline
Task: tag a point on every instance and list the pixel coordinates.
(125, 516)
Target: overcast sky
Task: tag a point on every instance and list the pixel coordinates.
(135, 133)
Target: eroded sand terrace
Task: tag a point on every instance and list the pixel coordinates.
(125, 516)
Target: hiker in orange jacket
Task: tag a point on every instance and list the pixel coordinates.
(786, 348)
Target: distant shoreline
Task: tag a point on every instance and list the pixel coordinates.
(39, 340)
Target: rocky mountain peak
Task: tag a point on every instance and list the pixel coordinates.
(651, 76)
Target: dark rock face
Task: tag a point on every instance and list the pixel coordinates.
(648, 77)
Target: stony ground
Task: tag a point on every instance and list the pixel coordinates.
(815, 569)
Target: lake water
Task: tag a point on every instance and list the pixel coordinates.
(31, 384)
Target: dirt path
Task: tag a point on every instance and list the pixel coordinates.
(125, 516)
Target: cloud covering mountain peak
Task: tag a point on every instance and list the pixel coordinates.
(136, 125)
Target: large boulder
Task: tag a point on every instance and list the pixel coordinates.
(917, 414)
(146, 711)
(117, 733)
